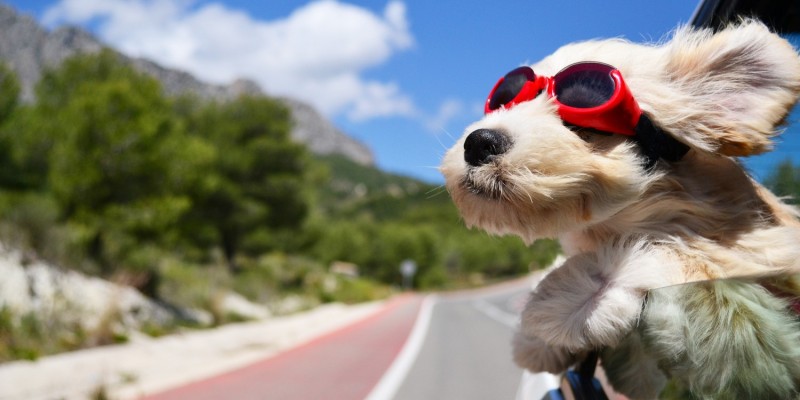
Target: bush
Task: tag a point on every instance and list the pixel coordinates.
(358, 290)
(434, 278)
(30, 336)
(192, 285)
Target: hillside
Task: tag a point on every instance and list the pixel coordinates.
(29, 49)
(354, 188)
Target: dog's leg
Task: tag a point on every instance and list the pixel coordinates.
(594, 299)
(535, 355)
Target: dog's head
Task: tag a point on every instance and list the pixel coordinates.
(521, 170)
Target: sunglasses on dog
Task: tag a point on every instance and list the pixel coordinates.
(589, 95)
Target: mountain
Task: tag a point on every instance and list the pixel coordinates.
(28, 49)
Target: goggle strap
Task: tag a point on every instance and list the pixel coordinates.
(655, 143)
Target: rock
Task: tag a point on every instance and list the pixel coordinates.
(321, 136)
(73, 298)
(236, 304)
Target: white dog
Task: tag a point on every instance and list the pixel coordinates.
(627, 154)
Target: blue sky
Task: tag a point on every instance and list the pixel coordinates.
(404, 77)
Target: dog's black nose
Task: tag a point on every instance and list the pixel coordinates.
(482, 144)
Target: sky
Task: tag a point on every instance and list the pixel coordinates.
(403, 77)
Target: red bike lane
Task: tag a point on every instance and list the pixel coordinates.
(345, 364)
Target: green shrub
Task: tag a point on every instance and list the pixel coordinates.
(30, 336)
(191, 285)
(434, 278)
(358, 290)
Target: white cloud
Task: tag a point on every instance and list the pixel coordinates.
(318, 53)
(449, 109)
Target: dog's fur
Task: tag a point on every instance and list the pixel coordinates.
(627, 229)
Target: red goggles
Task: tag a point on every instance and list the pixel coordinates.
(588, 94)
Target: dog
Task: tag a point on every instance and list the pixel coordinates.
(646, 193)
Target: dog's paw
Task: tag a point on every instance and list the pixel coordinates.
(580, 306)
(535, 355)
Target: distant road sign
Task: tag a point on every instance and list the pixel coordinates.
(408, 268)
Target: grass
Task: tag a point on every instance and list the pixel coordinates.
(28, 337)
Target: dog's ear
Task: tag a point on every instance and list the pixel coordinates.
(730, 89)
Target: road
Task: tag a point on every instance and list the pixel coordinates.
(466, 353)
(445, 346)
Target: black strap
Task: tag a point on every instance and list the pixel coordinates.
(655, 143)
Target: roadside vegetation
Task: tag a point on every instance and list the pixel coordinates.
(186, 199)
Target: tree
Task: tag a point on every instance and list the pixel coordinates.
(9, 92)
(259, 182)
(119, 163)
(10, 168)
(785, 181)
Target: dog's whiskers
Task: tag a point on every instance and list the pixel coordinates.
(438, 139)
(438, 190)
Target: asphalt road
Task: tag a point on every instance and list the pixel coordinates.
(467, 350)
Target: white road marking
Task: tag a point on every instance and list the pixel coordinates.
(497, 314)
(532, 386)
(391, 380)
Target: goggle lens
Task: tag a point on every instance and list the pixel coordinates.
(585, 85)
(510, 87)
